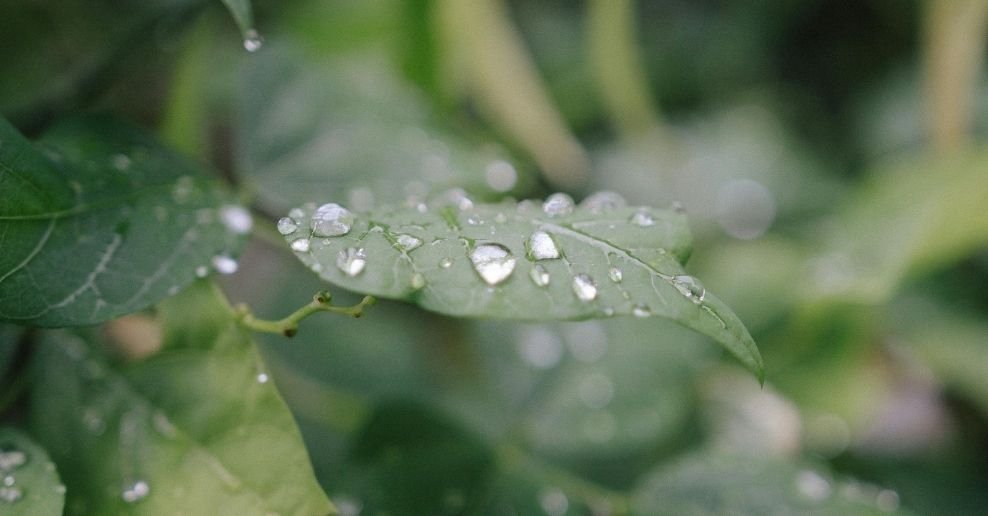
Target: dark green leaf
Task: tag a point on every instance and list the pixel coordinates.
(31, 486)
(523, 261)
(243, 14)
(198, 428)
(9, 339)
(104, 222)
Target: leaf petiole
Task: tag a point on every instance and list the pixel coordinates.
(289, 325)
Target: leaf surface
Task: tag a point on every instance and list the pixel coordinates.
(31, 486)
(103, 221)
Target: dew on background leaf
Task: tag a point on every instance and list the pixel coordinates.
(813, 486)
(500, 175)
(540, 276)
(351, 260)
(446, 262)
(9, 480)
(539, 347)
(346, 505)
(493, 262)
(262, 378)
(287, 225)
(224, 264)
(93, 421)
(121, 162)
(60, 489)
(11, 458)
(11, 494)
(475, 220)
(690, 287)
(459, 198)
(407, 242)
(558, 204)
(603, 201)
(331, 220)
(136, 491)
(553, 501)
(607, 312)
(887, 500)
(296, 213)
(236, 219)
(641, 310)
(253, 41)
(541, 246)
(596, 390)
(418, 281)
(301, 245)
(642, 218)
(584, 287)
(202, 271)
(615, 274)
(500, 218)
(182, 189)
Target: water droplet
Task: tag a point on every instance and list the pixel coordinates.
(501, 176)
(493, 262)
(93, 421)
(418, 281)
(553, 501)
(253, 41)
(301, 245)
(458, 197)
(121, 162)
(407, 242)
(287, 225)
(262, 378)
(296, 213)
(813, 486)
(236, 219)
(351, 260)
(603, 201)
(615, 274)
(608, 312)
(641, 310)
(224, 264)
(12, 458)
(331, 220)
(500, 218)
(584, 287)
(539, 347)
(202, 271)
(642, 218)
(60, 489)
(596, 390)
(541, 246)
(690, 287)
(347, 506)
(475, 220)
(9, 480)
(558, 204)
(539, 276)
(446, 263)
(136, 491)
(11, 494)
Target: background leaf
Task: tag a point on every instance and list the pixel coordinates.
(30, 483)
(103, 222)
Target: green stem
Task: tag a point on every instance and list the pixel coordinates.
(288, 326)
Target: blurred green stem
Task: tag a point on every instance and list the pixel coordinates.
(954, 49)
(616, 63)
(289, 325)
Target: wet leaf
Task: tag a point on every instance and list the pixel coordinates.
(198, 428)
(100, 220)
(526, 261)
(30, 483)
(243, 14)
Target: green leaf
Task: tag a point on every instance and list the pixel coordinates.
(710, 483)
(198, 428)
(30, 483)
(9, 338)
(103, 221)
(522, 261)
(243, 14)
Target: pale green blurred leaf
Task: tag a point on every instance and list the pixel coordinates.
(31, 486)
(243, 14)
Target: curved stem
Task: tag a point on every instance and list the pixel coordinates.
(288, 326)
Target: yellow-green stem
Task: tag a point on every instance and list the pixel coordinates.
(288, 326)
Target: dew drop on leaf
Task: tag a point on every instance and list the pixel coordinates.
(301, 245)
(331, 220)
(407, 242)
(558, 204)
(584, 287)
(224, 264)
(603, 201)
(643, 219)
(540, 276)
(136, 491)
(11, 458)
(542, 247)
(351, 260)
(202, 271)
(690, 287)
(500, 175)
(615, 274)
(121, 162)
(287, 225)
(641, 310)
(253, 41)
(262, 378)
(458, 197)
(553, 501)
(446, 263)
(493, 262)
(11, 494)
(236, 219)
(418, 281)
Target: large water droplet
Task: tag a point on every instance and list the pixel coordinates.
(407, 242)
(604, 201)
(584, 287)
(236, 219)
(541, 246)
(253, 41)
(351, 260)
(558, 204)
(641, 310)
(331, 219)
(11, 494)
(539, 276)
(301, 245)
(493, 262)
(287, 225)
(615, 274)
(136, 491)
(642, 218)
(690, 287)
(224, 264)
(11, 458)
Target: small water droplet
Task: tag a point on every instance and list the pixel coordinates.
(121, 162)
(9, 480)
(558, 204)
(287, 225)
(236, 219)
(493, 262)
(224, 264)
(500, 175)
(407, 242)
(351, 260)
(553, 501)
(12, 458)
(475, 220)
(642, 218)
(93, 421)
(262, 378)
(202, 271)
(253, 41)
(608, 312)
(603, 201)
(136, 491)
(541, 246)
(641, 310)
(813, 486)
(446, 263)
(500, 218)
(458, 197)
(331, 220)
(615, 274)
(540, 276)
(11, 494)
(301, 245)
(418, 281)
(296, 213)
(584, 287)
(690, 287)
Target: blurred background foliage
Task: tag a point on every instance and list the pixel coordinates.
(830, 156)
